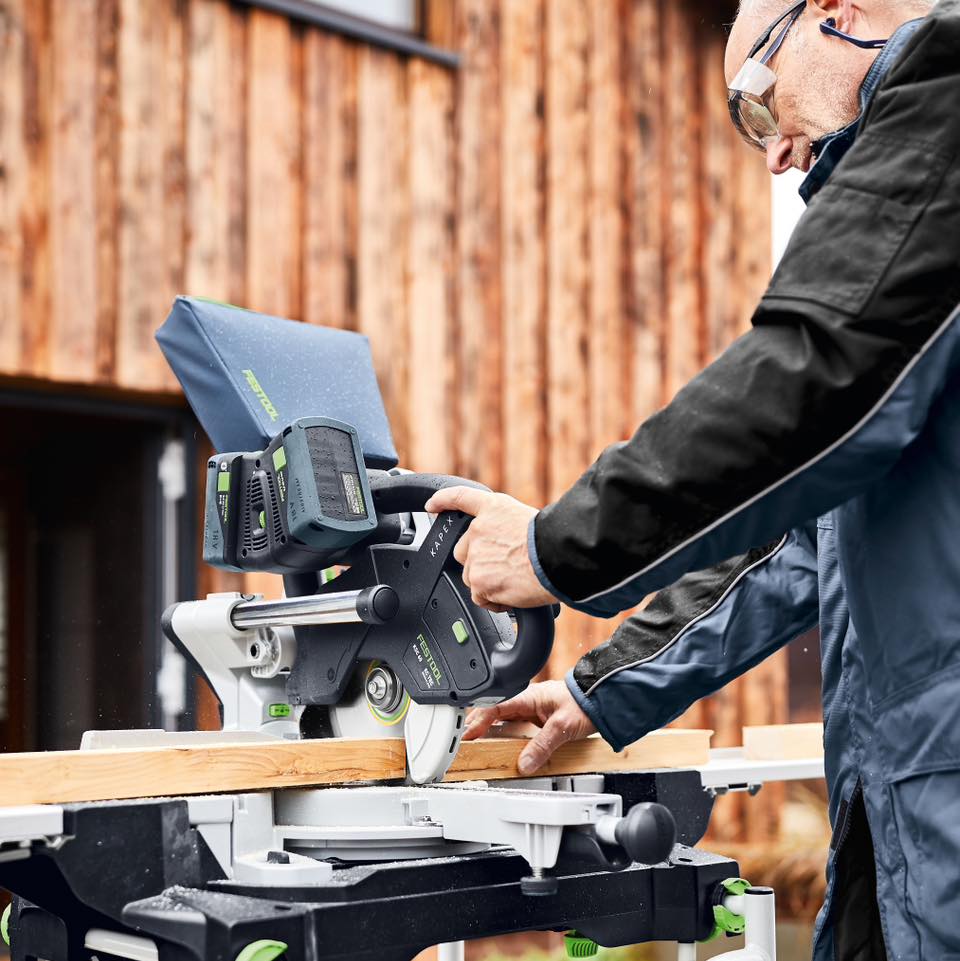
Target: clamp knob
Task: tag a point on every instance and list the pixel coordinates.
(647, 833)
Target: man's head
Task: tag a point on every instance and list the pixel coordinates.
(818, 76)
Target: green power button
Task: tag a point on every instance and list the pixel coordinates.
(460, 632)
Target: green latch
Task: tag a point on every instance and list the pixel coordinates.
(5, 924)
(460, 632)
(223, 481)
(263, 519)
(279, 459)
(262, 951)
(279, 710)
(724, 920)
(577, 946)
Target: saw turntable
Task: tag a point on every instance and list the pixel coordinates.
(377, 636)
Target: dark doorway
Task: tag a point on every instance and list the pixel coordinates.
(92, 546)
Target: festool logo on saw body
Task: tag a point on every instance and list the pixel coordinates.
(428, 657)
(265, 401)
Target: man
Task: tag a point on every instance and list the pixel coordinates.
(835, 419)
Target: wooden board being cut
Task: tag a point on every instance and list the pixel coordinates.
(54, 777)
(58, 777)
(783, 742)
(496, 758)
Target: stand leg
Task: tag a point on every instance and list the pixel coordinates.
(450, 952)
(686, 952)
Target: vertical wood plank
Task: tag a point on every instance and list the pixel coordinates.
(438, 21)
(382, 217)
(430, 260)
(73, 201)
(684, 352)
(720, 151)
(643, 133)
(522, 249)
(568, 283)
(273, 159)
(174, 173)
(479, 298)
(107, 173)
(34, 217)
(13, 180)
(609, 410)
(148, 94)
(216, 152)
(754, 225)
(329, 258)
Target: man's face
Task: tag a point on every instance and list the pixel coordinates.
(818, 78)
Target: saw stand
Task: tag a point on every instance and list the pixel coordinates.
(382, 873)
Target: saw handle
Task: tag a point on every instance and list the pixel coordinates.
(397, 493)
(402, 493)
(535, 628)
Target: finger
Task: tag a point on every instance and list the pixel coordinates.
(479, 722)
(470, 500)
(540, 749)
(519, 708)
(462, 548)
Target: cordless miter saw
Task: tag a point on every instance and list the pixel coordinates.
(377, 635)
(391, 646)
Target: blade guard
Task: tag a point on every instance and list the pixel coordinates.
(432, 734)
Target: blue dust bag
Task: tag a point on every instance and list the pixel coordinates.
(248, 375)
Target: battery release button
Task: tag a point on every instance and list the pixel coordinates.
(460, 632)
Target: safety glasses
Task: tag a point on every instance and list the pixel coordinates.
(750, 95)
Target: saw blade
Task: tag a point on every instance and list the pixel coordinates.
(359, 715)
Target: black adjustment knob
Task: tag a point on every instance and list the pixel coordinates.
(539, 885)
(377, 605)
(647, 833)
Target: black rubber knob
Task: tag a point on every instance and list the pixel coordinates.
(647, 833)
(377, 605)
(539, 887)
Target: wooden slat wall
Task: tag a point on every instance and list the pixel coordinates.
(542, 246)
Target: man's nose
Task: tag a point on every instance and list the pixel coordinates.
(778, 155)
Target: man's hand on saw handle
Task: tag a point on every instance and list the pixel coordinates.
(493, 552)
(551, 706)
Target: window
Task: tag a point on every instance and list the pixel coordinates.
(414, 28)
(397, 14)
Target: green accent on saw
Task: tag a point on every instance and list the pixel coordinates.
(279, 710)
(5, 924)
(578, 946)
(223, 481)
(460, 632)
(265, 950)
(279, 459)
(221, 303)
(263, 519)
(724, 920)
(329, 574)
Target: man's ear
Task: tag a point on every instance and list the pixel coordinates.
(840, 10)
